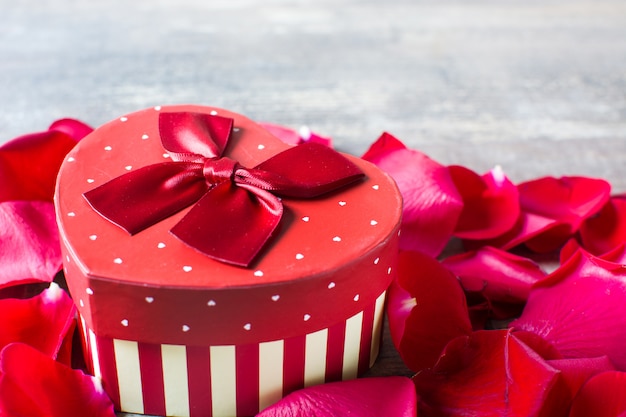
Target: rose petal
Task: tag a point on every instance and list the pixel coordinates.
(607, 229)
(577, 371)
(293, 137)
(603, 395)
(489, 373)
(569, 249)
(574, 372)
(43, 322)
(307, 135)
(29, 242)
(615, 258)
(490, 203)
(29, 165)
(33, 384)
(567, 200)
(432, 204)
(71, 127)
(392, 396)
(426, 309)
(283, 133)
(538, 344)
(580, 309)
(499, 276)
(528, 226)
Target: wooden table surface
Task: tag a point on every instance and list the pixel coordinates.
(537, 87)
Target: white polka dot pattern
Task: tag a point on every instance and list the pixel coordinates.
(324, 234)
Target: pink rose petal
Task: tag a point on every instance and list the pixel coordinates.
(293, 137)
(490, 373)
(580, 309)
(490, 203)
(607, 229)
(432, 204)
(426, 309)
(43, 322)
(29, 242)
(33, 384)
(392, 396)
(498, 275)
(603, 395)
(283, 133)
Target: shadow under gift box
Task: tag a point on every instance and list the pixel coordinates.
(172, 332)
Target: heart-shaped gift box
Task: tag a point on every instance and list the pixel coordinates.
(172, 331)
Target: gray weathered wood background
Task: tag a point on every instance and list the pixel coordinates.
(536, 86)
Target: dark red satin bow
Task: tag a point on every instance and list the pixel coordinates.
(236, 208)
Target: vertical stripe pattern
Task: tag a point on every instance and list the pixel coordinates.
(219, 381)
(175, 381)
(223, 380)
(271, 359)
(129, 375)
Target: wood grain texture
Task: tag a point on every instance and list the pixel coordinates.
(538, 87)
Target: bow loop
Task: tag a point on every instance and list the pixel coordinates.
(194, 136)
(236, 210)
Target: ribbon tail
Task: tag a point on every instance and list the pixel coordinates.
(142, 198)
(230, 224)
(306, 171)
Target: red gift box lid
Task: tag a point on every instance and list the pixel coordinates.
(332, 256)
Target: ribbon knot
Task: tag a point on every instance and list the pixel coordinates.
(217, 170)
(235, 210)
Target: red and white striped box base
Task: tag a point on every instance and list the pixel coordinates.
(219, 381)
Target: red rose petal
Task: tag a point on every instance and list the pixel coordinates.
(569, 249)
(43, 322)
(496, 283)
(528, 226)
(33, 384)
(607, 229)
(489, 373)
(498, 275)
(616, 256)
(580, 309)
(490, 203)
(426, 309)
(29, 165)
(576, 372)
(392, 396)
(432, 204)
(603, 395)
(29, 242)
(567, 200)
(72, 127)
